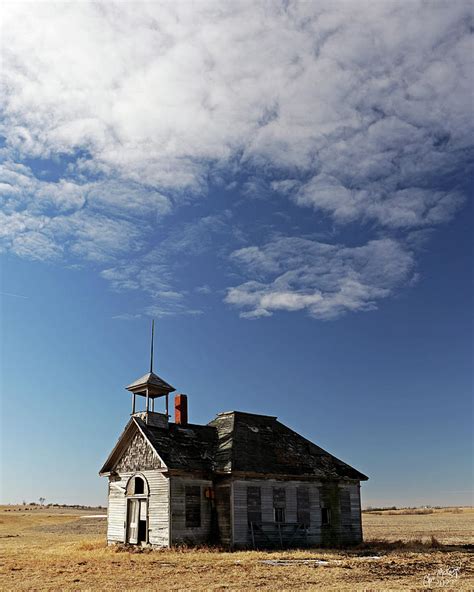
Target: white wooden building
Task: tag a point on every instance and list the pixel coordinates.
(242, 480)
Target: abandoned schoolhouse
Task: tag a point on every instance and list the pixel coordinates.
(242, 480)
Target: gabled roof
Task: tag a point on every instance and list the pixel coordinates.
(253, 443)
(189, 448)
(236, 442)
(153, 382)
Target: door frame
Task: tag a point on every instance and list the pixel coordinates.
(136, 499)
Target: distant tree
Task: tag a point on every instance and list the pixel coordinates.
(42, 500)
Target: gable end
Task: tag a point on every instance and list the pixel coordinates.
(133, 452)
(138, 456)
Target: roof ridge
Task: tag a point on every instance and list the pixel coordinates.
(235, 412)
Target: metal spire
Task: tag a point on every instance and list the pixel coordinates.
(152, 340)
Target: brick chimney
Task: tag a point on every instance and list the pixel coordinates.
(181, 409)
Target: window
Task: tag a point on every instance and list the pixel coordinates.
(254, 504)
(279, 514)
(192, 498)
(279, 504)
(139, 486)
(325, 516)
(302, 506)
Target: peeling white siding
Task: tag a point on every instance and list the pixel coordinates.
(158, 508)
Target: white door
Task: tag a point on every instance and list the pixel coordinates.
(133, 517)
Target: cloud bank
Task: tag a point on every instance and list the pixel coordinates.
(359, 113)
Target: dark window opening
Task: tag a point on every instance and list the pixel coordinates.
(254, 504)
(325, 516)
(279, 503)
(192, 497)
(279, 514)
(139, 486)
(302, 506)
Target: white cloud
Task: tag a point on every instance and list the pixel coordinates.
(204, 289)
(395, 208)
(157, 93)
(328, 281)
(127, 316)
(359, 111)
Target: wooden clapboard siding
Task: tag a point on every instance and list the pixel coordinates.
(344, 501)
(345, 524)
(356, 516)
(179, 532)
(158, 508)
(232, 522)
(241, 534)
(117, 510)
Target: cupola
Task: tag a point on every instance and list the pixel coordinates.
(151, 387)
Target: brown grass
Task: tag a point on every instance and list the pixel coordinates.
(55, 550)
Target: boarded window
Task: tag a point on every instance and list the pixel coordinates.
(325, 516)
(279, 503)
(302, 506)
(193, 506)
(345, 500)
(254, 504)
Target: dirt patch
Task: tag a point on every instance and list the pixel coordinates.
(77, 527)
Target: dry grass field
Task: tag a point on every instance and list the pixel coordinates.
(56, 549)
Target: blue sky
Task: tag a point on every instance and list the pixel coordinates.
(286, 189)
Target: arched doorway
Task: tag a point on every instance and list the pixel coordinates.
(137, 493)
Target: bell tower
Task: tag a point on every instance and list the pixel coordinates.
(151, 387)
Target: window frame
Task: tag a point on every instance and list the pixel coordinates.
(303, 506)
(279, 504)
(279, 515)
(192, 506)
(254, 508)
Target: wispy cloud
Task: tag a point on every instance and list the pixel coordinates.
(328, 281)
(12, 295)
(127, 316)
(156, 271)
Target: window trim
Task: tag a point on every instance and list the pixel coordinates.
(279, 515)
(303, 506)
(252, 492)
(279, 504)
(131, 484)
(188, 521)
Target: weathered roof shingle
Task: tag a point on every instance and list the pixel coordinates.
(261, 444)
(186, 448)
(237, 442)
